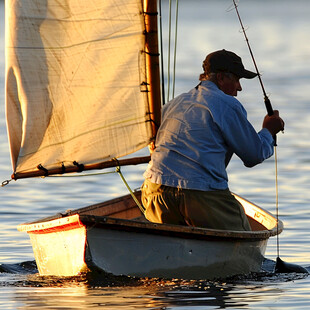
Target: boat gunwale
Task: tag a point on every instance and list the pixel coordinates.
(190, 232)
(135, 225)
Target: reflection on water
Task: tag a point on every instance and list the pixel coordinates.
(98, 289)
(131, 293)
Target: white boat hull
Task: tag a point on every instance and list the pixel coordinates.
(172, 257)
(87, 239)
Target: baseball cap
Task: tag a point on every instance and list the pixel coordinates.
(226, 61)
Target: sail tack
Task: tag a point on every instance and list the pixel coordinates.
(76, 85)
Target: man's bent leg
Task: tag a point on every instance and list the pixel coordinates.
(214, 209)
(161, 203)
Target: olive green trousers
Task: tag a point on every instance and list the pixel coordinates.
(209, 209)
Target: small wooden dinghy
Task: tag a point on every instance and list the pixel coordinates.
(83, 90)
(113, 236)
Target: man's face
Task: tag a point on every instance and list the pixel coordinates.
(229, 83)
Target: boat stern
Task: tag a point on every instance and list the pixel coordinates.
(58, 245)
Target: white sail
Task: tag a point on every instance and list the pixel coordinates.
(74, 71)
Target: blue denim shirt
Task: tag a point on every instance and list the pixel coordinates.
(200, 132)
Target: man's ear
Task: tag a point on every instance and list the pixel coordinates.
(220, 79)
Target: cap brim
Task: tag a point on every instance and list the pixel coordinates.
(248, 74)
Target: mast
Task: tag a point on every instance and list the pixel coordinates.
(152, 63)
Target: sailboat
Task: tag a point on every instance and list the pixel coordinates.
(83, 92)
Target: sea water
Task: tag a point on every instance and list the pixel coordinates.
(278, 32)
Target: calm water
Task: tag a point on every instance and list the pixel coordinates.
(279, 34)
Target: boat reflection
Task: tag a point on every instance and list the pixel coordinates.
(148, 293)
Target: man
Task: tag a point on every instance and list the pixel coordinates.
(186, 181)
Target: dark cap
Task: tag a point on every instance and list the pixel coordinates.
(225, 61)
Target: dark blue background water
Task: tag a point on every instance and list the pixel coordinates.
(279, 34)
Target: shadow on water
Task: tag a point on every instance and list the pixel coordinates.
(28, 267)
(98, 278)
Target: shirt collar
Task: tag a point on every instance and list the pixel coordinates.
(209, 84)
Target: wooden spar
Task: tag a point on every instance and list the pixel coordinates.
(79, 168)
(152, 63)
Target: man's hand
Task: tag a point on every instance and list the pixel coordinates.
(273, 123)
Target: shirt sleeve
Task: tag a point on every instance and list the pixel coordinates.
(239, 134)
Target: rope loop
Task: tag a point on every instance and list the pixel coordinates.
(151, 13)
(80, 166)
(40, 167)
(152, 54)
(6, 182)
(63, 168)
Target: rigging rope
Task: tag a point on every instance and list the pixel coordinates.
(142, 209)
(175, 44)
(80, 175)
(117, 170)
(169, 48)
(162, 53)
(277, 197)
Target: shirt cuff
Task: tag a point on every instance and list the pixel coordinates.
(265, 133)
